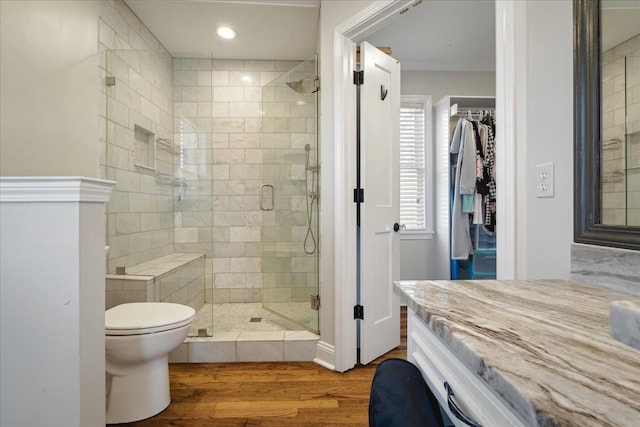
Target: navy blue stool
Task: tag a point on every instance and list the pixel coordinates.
(401, 398)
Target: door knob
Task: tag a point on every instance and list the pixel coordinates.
(397, 227)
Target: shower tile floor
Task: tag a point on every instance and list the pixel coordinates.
(241, 317)
(238, 336)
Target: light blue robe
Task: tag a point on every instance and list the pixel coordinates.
(463, 144)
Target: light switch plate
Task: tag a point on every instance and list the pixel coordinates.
(544, 180)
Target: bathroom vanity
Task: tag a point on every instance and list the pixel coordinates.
(523, 352)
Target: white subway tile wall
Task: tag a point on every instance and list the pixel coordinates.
(248, 135)
(140, 219)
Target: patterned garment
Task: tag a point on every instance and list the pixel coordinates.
(482, 172)
(490, 198)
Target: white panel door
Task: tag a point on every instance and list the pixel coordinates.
(380, 179)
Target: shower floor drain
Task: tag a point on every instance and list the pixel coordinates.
(255, 319)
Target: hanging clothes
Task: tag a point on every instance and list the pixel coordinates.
(482, 171)
(490, 198)
(478, 209)
(462, 144)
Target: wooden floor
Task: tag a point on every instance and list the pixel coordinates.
(301, 394)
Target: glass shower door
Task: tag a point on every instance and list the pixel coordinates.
(288, 195)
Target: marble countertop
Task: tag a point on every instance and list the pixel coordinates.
(543, 345)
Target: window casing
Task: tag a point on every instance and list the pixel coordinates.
(416, 166)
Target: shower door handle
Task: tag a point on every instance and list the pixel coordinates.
(262, 206)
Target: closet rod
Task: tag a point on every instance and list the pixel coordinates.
(475, 110)
(456, 110)
(466, 112)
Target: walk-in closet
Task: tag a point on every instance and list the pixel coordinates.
(465, 182)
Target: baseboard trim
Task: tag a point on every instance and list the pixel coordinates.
(325, 355)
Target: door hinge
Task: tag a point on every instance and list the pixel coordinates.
(358, 312)
(358, 78)
(315, 302)
(358, 195)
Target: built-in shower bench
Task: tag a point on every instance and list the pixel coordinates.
(177, 277)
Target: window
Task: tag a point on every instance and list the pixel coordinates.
(415, 165)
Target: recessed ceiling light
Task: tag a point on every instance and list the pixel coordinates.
(226, 32)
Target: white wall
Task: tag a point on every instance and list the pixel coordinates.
(52, 307)
(544, 132)
(442, 83)
(22, 348)
(52, 254)
(417, 257)
(49, 96)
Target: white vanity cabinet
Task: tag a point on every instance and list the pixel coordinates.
(464, 389)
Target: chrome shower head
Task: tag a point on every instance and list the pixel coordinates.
(307, 148)
(299, 86)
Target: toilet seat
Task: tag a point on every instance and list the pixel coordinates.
(140, 318)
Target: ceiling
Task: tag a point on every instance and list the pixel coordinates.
(443, 35)
(434, 35)
(267, 29)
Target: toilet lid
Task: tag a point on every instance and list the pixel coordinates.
(146, 317)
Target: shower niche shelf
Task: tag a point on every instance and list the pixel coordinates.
(144, 150)
(633, 151)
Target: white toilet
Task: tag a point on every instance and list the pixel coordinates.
(139, 338)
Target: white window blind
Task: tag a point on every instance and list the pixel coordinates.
(412, 165)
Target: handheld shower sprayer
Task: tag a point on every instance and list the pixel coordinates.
(312, 196)
(309, 166)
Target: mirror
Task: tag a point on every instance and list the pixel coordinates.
(607, 122)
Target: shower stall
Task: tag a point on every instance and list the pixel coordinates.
(216, 201)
